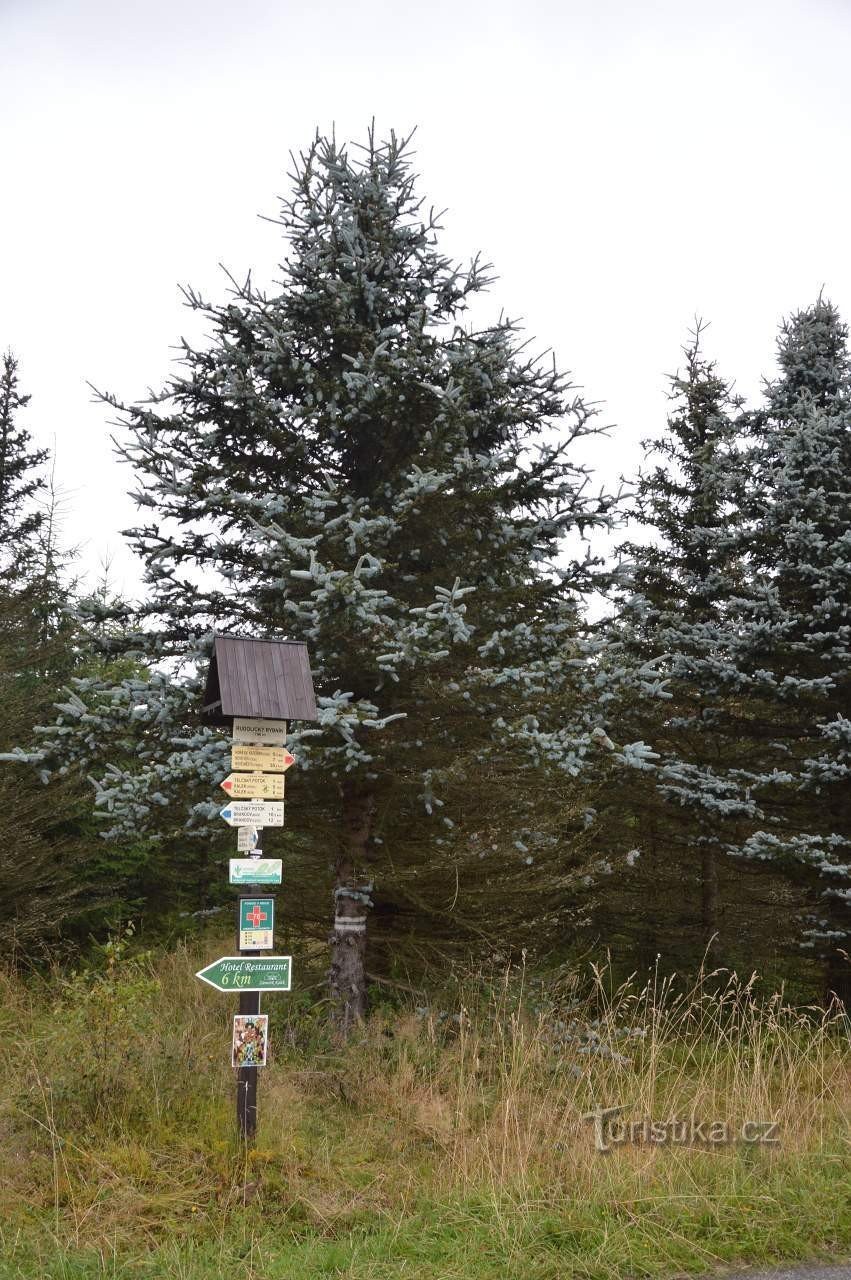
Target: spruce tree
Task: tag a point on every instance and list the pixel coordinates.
(352, 462)
(21, 477)
(677, 585)
(744, 606)
(44, 880)
(800, 625)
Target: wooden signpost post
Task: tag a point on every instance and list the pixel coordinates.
(254, 687)
(256, 916)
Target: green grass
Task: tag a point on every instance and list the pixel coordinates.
(431, 1146)
(497, 1238)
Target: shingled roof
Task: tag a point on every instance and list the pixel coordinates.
(263, 679)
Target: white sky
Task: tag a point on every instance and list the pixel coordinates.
(623, 166)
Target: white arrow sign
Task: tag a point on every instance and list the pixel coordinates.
(269, 733)
(254, 813)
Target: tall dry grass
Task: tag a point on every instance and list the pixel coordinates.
(116, 1111)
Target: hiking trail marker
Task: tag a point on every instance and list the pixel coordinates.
(254, 786)
(254, 813)
(264, 759)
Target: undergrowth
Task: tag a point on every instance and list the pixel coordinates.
(448, 1140)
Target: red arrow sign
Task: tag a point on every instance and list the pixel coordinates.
(256, 786)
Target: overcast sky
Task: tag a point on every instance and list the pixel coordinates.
(623, 165)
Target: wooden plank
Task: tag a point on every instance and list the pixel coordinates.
(264, 679)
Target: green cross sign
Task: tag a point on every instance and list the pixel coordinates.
(256, 924)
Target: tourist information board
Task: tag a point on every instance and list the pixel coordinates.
(266, 759)
(248, 973)
(254, 813)
(256, 870)
(255, 786)
(256, 924)
(268, 733)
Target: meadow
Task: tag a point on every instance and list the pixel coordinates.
(450, 1138)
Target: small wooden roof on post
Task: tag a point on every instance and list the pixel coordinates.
(260, 679)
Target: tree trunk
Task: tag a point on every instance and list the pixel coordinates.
(837, 978)
(710, 896)
(352, 903)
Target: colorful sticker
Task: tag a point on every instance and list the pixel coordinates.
(250, 1039)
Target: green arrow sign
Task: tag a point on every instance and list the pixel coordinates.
(248, 973)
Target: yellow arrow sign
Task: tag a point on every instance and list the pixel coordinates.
(254, 786)
(265, 759)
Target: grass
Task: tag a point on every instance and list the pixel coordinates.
(442, 1142)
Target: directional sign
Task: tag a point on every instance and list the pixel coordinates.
(254, 813)
(267, 759)
(269, 733)
(247, 840)
(263, 786)
(248, 973)
(255, 870)
(256, 924)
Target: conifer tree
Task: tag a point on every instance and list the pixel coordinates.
(677, 588)
(21, 478)
(800, 622)
(745, 607)
(43, 878)
(353, 463)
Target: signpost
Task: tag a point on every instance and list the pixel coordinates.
(254, 813)
(256, 870)
(243, 973)
(258, 747)
(260, 786)
(266, 759)
(254, 687)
